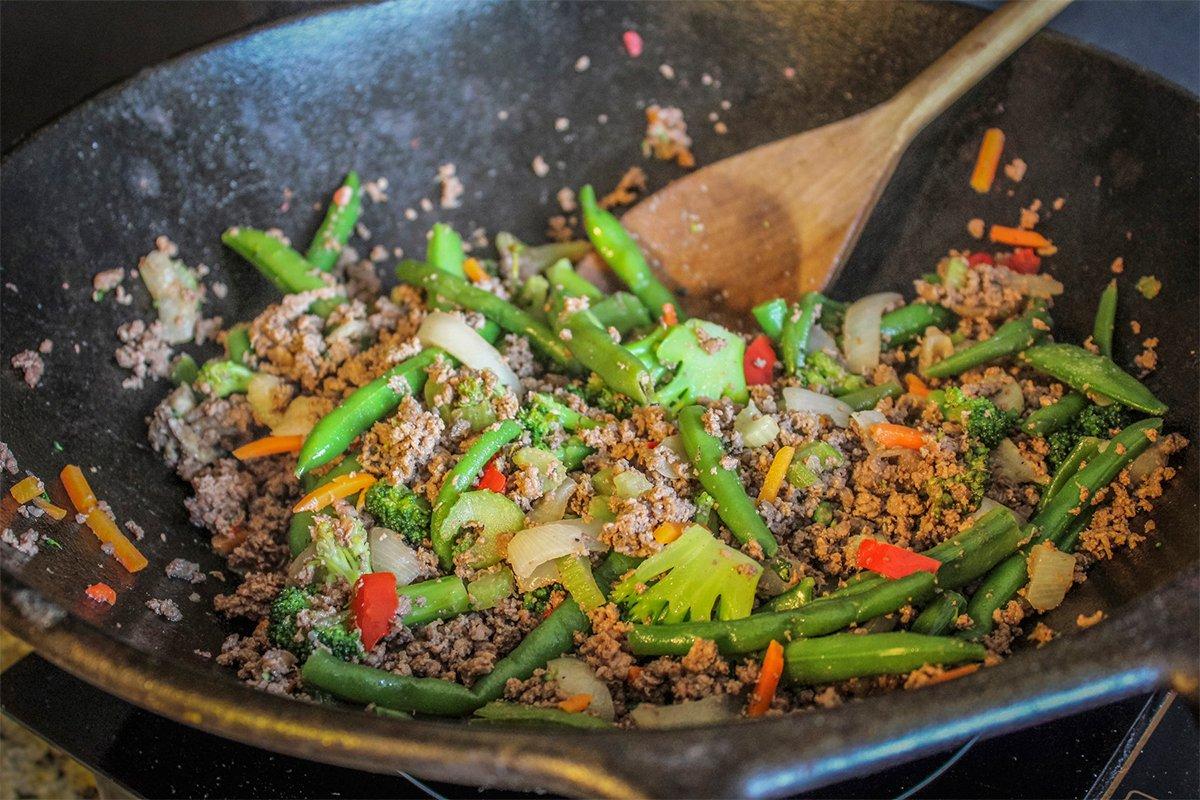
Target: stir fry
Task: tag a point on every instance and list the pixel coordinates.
(498, 491)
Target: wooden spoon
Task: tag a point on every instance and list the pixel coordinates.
(782, 218)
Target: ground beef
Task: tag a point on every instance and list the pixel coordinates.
(666, 136)
(252, 599)
(25, 544)
(992, 292)
(8, 462)
(191, 435)
(700, 673)
(167, 609)
(399, 446)
(259, 664)
(31, 367)
(289, 342)
(183, 570)
(144, 352)
(631, 185)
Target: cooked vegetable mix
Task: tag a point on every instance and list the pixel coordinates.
(500, 493)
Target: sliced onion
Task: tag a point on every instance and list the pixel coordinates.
(935, 345)
(349, 332)
(674, 444)
(575, 677)
(756, 429)
(798, 399)
(712, 709)
(631, 483)
(300, 417)
(268, 396)
(176, 294)
(1010, 398)
(553, 505)
(1007, 462)
(861, 336)
(1144, 465)
(390, 553)
(1050, 574)
(531, 552)
(1039, 285)
(988, 504)
(819, 340)
(460, 340)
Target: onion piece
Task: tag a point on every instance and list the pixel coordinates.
(712, 709)
(988, 504)
(864, 421)
(553, 504)
(1050, 574)
(1038, 285)
(819, 340)
(757, 429)
(1007, 462)
(390, 553)
(935, 345)
(268, 396)
(532, 551)
(456, 337)
(300, 417)
(1010, 398)
(575, 677)
(861, 336)
(798, 399)
(176, 293)
(1144, 465)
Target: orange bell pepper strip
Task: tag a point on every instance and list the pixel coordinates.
(26, 489)
(52, 511)
(81, 494)
(339, 487)
(576, 703)
(102, 593)
(988, 160)
(776, 473)
(889, 434)
(474, 271)
(1018, 237)
(107, 532)
(269, 446)
(768, 680)
(915, 385)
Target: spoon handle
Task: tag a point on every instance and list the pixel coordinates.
(968, 61)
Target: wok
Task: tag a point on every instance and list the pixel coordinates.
(213, 138)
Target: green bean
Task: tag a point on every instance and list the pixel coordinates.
(1084, 450)
(337, 226)
(622, 311)
(1048, 419)
(1087, 372)
(564, 278)
(572, 453)
(299, 533)
(848, 655)
(621, 252)
(439, 598)
(499, 711)
(1009, 339)
(937, 618)
(184, 370)
(904, 324)
(521, 260)
(554, 636)
(793, 343)
(334, 432)
(770, 316)
(445, 250)
(459, 479)
(971, 553)
(613, 568)
(1106, 319)
(856, 585)
(280, 264)
(620, 369)
(863, 399)
(1053, 522)
(734, 506)
(795, 597)
(361, 684)
(444, 287)
(237, 343)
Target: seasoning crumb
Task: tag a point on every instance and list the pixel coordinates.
(452, 188)
(1015, 170)
(632, 183)
(1058, 204)
(721, 128)
(1118, 265)
(666, 136)
(31, 367)
(539, 166)
(566, 199)
(1089, 620)
(426, 204)
(138, 531)
(1041, 634)
(582, 63)
(789, 73)
(1149, 286)
(1135, 326)
(975, 227)
(667, 71)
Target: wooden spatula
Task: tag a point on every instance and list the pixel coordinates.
(782, 218)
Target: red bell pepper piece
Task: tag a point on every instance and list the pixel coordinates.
(374, 604)
(891, 561)
(1024, 261)
(491, 478)
(759, 361)
(980, 257)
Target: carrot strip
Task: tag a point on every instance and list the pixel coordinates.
(988, 161)
(889, 434)
(474, 272)
(107, 531)
(768, 680)
(339, 487)
(81, 494)
(775, 474)
(269, 446)
(1017, 237)
(951, 674)
(52, 511)
(576, 703)
(26, 489)
(668, 532)
(669, 315)
(102, 593)
(915, 385)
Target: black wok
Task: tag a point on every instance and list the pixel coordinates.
(212, 139)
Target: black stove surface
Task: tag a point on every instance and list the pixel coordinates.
(1143, 747)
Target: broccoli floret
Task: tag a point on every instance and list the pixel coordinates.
(537, 601)
(597, 394)
(982, 420)
(708, 363)
(822, 369)
(341, 548)
(684, 580)
(963, 492)
(282, 628)
(1103, 422)
(470, 401)
(220, 377)
(399, 509)
(543, 417)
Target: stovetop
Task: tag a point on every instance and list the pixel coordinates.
(1143, 747)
